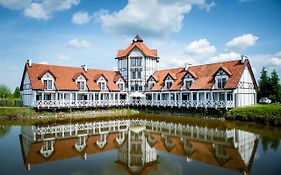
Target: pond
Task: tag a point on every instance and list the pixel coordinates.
(136, 146)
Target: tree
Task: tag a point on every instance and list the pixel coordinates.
(275, 87)
(4, 91)
(17, 92)
(264, 84)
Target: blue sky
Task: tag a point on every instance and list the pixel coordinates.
(77, 32)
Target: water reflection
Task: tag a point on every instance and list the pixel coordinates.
(4, 130)
(139, 143)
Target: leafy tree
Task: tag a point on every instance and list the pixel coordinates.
(17, 92)
(275, 87)
(4, 130)
(4, 91)
(264, 84)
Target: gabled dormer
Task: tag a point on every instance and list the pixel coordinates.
(151, 82)
(168, 81)
(48, 80)
(121, 84)
(47, 148)
(187, 80)
(81, 81)
(102, 82)
(80, 145)
(220, 77)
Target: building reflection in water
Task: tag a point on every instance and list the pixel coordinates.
(138, 142)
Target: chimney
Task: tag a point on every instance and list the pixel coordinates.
(29, 62)
(186, 66)
(243, 58)
(85, 67)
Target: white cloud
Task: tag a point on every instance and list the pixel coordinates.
(81, 18)
(275, 60)
(77, 43)
(240, 43)
(63, 57)
(36, 11)
(201, 47)
(15, 4)
(224, 57)
(39, 9)
(154, 17)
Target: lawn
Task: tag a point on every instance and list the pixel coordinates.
(269, 114)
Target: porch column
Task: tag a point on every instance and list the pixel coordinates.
(34, 98)
(225, 98)
(76, 95)
(175, 100)
(205, 99)
(63, 98)
(70, 98)
(180, 99)
(233, 99)
(43, 95)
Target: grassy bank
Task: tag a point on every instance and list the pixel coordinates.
(268, 114)
(25, 115)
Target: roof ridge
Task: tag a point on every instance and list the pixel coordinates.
(215, 63)
(74, 67)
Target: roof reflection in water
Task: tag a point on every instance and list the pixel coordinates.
(138, 142)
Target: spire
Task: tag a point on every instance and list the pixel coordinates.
(137, 39)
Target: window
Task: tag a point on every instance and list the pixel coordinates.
(121, 86)
(136, 61)
(102, 86)
(81, 85)
(188, 84)
(47, 145)
(168, 85)
(139, 74)
(48, 84)
(221, 82)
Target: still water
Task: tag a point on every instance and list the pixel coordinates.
(135, 146)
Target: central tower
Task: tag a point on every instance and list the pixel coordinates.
(137, 63)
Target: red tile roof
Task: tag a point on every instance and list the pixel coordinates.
(204, 75)
(141, 46)
(65, 77)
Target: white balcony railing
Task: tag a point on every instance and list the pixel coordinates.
(135, 102)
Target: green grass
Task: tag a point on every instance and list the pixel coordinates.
(10, 102)
(269, 114)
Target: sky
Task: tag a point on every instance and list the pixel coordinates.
(78, 32)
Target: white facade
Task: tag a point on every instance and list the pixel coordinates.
(136, 68)
(245, 94)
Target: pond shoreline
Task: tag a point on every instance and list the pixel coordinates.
(269, 115)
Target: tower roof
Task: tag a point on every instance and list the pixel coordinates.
(137, 43)
(137, 39)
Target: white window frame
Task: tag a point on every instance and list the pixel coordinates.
(219, 78)
(50, 81)
(81, 79)
(102, 83)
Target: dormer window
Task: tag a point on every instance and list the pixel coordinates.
(48, 84)
(221, 82)
(188, 83)
(102, 86)
(168, 84)
(47, 80)
(221, 79)
(81, 85)
(102, 83)
(121, 86)
(81, 82)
